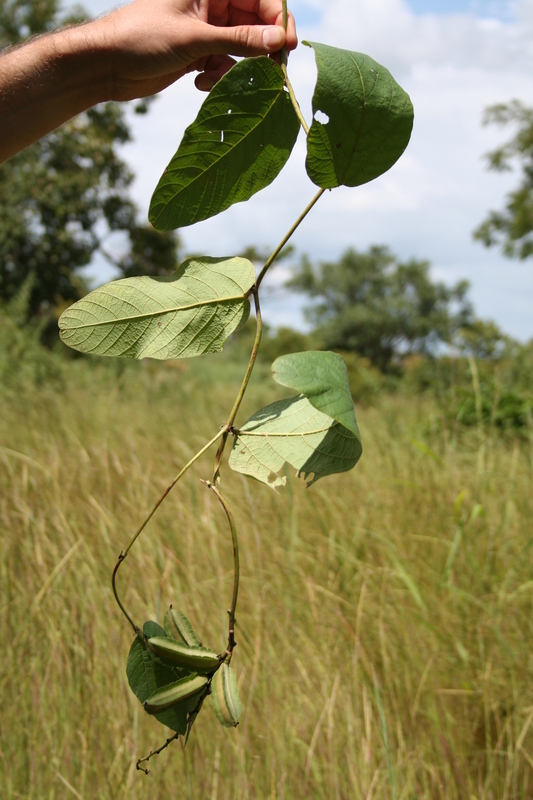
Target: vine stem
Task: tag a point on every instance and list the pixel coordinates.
(288, 84)
(294, 101)
(284, 49)
(124, 553)
(155, 753)
(228, 427)
(236, 571)
(286, 238)
(238, 400)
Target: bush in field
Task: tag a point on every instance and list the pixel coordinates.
(24, 362)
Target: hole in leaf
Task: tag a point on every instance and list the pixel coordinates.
(229, 110)
(221, 136)
(321, 117)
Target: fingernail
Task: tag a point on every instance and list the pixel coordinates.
(273, 37)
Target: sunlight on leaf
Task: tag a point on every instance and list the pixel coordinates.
(362, 119)
(297, 431)
(241, 139)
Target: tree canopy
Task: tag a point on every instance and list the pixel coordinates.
(371, 303)
(62, 198)
(512, 228)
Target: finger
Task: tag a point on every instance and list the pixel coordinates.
(248, 40)
(269, 13)
(214, 68)
(241, 40)
(251, 12)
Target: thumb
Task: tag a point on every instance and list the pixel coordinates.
(246, 40)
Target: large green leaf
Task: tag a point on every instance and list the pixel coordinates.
(370, 118)
(240, 140)
(297, 431)
(187, 314)
(146, 674)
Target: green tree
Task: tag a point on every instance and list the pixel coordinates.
(382, 309)
(62, 198)
(512, 228)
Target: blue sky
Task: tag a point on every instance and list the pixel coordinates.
(454, 58)
(501, 9)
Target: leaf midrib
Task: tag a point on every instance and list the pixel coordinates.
(242, 433)
(214, 164)
(159, 313)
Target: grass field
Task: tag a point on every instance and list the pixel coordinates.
(384, 623)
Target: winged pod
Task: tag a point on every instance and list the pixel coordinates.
(178, 626)
(197, 658)
(226, 700)
(174, 693)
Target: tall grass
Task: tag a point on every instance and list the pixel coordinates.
(384, 619)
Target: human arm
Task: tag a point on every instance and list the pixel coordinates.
(134, 52)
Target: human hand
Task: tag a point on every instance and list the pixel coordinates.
(149, 44)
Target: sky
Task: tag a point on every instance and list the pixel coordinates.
(454, 58)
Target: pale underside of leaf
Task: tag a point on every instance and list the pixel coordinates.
(241, 139)
(187, 314)
(293, 431)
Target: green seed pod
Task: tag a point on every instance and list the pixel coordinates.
(198, 658)
(178, 626)
(226, 700)
(174, 693)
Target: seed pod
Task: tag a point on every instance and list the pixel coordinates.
(226, 700)
(198, 658)
(174, 693)
(178, 626)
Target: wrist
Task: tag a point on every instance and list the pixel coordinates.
(50, 80)
(80, 64)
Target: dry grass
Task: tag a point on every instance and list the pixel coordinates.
(385, 615)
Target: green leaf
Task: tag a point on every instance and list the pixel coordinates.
(323, 379)
(297, 431)
(239, 142)
(370, 118)
(189, 313)
(146, 674)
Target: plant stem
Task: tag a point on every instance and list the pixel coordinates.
(284, 49)
(294, 101)
(231, 419)
(284, 241)
(283, 64)
(227, 429)
(235, 542)
(223, 431)
(155, 753)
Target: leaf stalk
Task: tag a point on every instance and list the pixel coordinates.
(238, 400)
(123, 555)
(294, 101)
(286, 238)
(236, 570)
